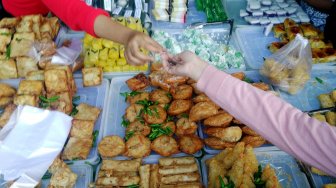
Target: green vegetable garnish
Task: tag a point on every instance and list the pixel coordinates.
(248, 80)
(129, 135)
(169, 96)
(129, 94)
(95, 136)
(319, 80)
(8, 52)
(125, 122)
(133, 186)
(158, 131)
(169, 118)
(46, 102)
(5, 34)
(166, 107)
(257, 178)
(74, 111)
(75, 99)
(47, 175)
(184, 115)
(18, 40)
(230, 183)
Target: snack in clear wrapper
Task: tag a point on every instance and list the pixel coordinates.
(289, 68)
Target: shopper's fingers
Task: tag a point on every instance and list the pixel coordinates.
(140, 55)
(131, 58)
(153, 46)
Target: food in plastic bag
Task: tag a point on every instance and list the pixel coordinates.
(290, 67)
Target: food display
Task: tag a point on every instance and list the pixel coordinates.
(322, 51)
(214, 10)
(62, 175)
(162, 172)
(263, 12)
(109, 55)
(18, 36)
(206, 45)
(173, 11)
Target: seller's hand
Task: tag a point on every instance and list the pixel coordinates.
(187, 64)
(139, 40)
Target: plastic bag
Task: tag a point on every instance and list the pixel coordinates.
(42, 52)
(289, 68)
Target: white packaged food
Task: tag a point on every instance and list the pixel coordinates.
(266, 2)
(281, 12)
(280, 1)
(178, 17)
(274, 20)
(257, 13)
(243, 13)
(283, 5)
(254, 5)
(254, 21)
(282, 18)
(248, 19)
(264, 20)
(274, 7)
(304, 18)
(270, 13)
(291, 10)
(264, 9)
(160, 14)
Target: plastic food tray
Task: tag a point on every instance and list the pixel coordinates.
(256, 77)
(317, 180)
(287, 169)
(254, 45)
(232, 9)
(154, 159)
(117, 107)
(95, 96)
(84, 176)
(306, 99)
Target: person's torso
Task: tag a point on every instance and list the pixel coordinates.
(24, 7)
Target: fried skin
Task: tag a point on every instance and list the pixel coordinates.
(270, 177)
(180, 178)
(138, 97)
(254, 141)
(215, 170)
(138, 146)
(201, 98)
(229, 134)
(184, 126)
(172, 127)
(190, 144)
(181, 92)
(158, 115)
(179, 106)
(138, 127)
(237, 170)
(165, 146)
(6, 90)
(219, 120)
(133, 111)
(160, 96)
(171, 161)
(247, 130)
(217, 143)
(202, 110)
(138, 82)
(111, 146)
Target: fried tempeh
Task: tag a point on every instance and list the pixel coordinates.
(144, 172)
(119, 181)
(169, 170)
(180, 178)
(113, 173)
(183, 185)
(176, 161)
(125, 165)
(154, 176)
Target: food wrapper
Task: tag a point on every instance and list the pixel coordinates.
(29, 143)
(290, 67)
(42, 52)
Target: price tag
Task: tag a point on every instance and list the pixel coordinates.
(117, 11)
(137, 13)
(145, 7)
(138, 4)
(108, 5)
(128, 13)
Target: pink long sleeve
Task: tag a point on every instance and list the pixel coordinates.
(75, 13)
(280, 123)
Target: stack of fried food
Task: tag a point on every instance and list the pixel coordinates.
(169, 173)
(322, 51)
(223, 129)
(238, 167)
(62, 176)
(327, 100)
(17, 37)
(153, 118)
(7, 94)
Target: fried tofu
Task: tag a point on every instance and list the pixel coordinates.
(138, 82)
(92, 76)
(8, 69)
(54, 22)
(9, 22)
(4, 118)
(63, 178)
(326, 101)
(31, 100)
(82, 128)
(30, 87)
(331, 118)
(4, 101)
(6, 90)
(25, 65)
(56, 81)
(64, 102)
(35, 75)
(68, 71)
(5, 38)
(77, 148)
(21, 44)
(24, 26)
(87, 112)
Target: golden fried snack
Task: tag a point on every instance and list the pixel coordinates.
(87, 112)
(217, 143)
(180, 169)
(220, 156)
(238, 75)
(144, 172)
(138, 97)
(330, 185)
(236, 121)
(171, 125)
(232, 156)
(237, 171)
(174, 79)
(202, 110)
(326, 101)
(179, 106)
(180, 178)
(121, 165)
(156, 79)
(254, 141)
(138, 82)
(171, 161)
(4, 101)
(215, 170)
(318, 172)
(160, 96)
(261, 85)
(111, 146)
(4, 118)
(165, 146)
(138, 146)
(184, 126)
(158, 115)
(333, 95)
(156, 67)
(118, 181)
(6, 90)
(138, 127)
(82, 128)
(63, 178)
(251, 162)
(201, 98)
(219, 120)
(247, 130)
(154, 176)
(181, 92)
(77, 148)
(133, 111)
(319, 117)
(331, 118)
(270, 177)
(183, 185)
(191, 81)
(190, 144)
(114, 173)
(229, 134)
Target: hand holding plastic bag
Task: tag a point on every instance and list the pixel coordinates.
(289, 68)
(30, 142)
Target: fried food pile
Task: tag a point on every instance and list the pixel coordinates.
(7, 94)
(18, 36)
(168, 173)
(322, 51)
(62, 176)
(327, 100)
(238, 167)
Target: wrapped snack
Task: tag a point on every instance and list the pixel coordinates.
(289, 68)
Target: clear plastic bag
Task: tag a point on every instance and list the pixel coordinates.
(289, 68)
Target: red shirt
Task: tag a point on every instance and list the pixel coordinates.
(75, 13)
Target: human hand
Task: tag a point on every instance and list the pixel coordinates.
(135, 42)
(184, 64)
